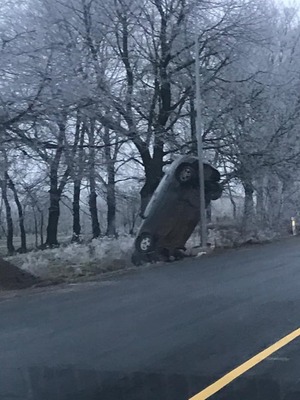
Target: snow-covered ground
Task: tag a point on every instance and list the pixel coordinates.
(71, 261)
(75, 260)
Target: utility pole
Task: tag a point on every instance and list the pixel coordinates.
(199, 132)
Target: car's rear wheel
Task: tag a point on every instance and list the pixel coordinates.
(145, 243)
(210, 173)
(179, 254)
(186, 174)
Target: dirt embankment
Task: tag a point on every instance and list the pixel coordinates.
(11, 277)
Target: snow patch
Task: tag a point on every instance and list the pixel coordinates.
(73, 260)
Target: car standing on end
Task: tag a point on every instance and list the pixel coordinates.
(173, 211)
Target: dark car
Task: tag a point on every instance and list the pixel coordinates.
(173, 211)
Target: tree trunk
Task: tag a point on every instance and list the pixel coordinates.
(153, 177)
(154, 172)
(111, 153)
(11, 185)
(76, 211)
(78, 173)
(248, 206)
(111, 202)
(55, 189)
(9, 221)
(154, 166)
(54, 209)
(53, 216)
(92, 180)
(232, 201)
(94, 213)
(42, 228)
(260, 206)
(93, 205)
(35, 227)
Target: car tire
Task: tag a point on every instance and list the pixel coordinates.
(145, 243)
(186, 174)
(178, 254)
(211, 174)
(136, 259)
(214, 190)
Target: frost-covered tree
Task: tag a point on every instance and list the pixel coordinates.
(92, 90)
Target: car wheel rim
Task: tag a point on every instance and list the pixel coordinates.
(145, 244)
(186, 174)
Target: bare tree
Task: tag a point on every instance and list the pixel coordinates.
(12, 186)
(92, 180)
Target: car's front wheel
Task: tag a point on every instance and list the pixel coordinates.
(145, 243)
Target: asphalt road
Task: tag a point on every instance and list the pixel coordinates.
(161, 333)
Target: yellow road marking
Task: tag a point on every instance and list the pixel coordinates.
(240, 370)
